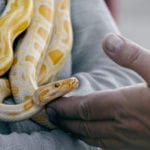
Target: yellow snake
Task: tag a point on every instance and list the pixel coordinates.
(38, 57)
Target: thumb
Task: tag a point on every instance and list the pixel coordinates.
(128, 54)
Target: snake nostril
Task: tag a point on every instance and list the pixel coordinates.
(57, 85)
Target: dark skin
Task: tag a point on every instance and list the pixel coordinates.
(112, 119)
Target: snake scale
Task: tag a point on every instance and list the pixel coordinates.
(37, 59)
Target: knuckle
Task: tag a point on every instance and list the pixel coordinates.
(100, 143)
(84, 110)
(120, 108)
(85, 129)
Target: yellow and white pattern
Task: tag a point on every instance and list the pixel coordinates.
(38, 57)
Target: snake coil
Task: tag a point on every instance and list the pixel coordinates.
(38, 57)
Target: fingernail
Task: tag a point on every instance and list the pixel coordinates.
(52, 114)
(113, 43)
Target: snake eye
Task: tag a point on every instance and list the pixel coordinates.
(57, 85)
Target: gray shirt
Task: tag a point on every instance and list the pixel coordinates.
(95, 71)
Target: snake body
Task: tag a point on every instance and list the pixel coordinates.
(12, 24)
(59, 49)
(38, 58)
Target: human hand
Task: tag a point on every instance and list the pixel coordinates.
(115, 119)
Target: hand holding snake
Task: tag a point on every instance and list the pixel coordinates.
(111, 119)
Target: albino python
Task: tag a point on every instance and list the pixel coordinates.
(38, 57)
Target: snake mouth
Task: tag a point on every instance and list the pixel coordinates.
(74, 83)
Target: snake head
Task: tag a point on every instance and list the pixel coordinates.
(51, 91)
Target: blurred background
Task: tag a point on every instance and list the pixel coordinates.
(133, 19)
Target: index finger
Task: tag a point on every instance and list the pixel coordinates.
(105, 105)
(100, 105)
